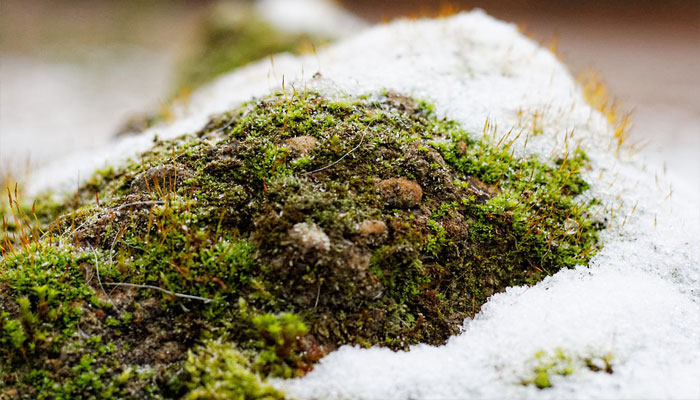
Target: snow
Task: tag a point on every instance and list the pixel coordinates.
(322, 17)
(637, 299)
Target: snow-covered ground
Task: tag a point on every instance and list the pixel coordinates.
(320, 17)
(638, 298)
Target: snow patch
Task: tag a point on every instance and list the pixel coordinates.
(322, 17)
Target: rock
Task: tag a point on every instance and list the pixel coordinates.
(161, 178)
(372, 227)
(170, 351)
(400, 192)
(250, 228)
(301, 144)
(455, 226)
(310, 237)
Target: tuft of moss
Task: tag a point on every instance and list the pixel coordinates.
(219, 371)
(280, 231)
(560, 364)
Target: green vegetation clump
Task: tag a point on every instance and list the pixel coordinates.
(560, 364)
(229, 36)
(280, 231)
(219, 371)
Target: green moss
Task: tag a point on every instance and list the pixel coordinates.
(559, 363)
(220, 371)
(279, 347)
(283, 229)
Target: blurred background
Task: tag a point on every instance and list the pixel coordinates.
(73, 73)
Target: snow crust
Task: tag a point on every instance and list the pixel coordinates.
(638, 298)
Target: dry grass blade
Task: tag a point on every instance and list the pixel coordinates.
(134, 285)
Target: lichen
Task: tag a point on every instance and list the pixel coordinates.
(382, 226)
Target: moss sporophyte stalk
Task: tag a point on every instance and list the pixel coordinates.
(280, 231)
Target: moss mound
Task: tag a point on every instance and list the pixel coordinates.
(277, 233)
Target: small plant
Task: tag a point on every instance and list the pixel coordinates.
(549, 365)
(280, 335)
(598, 96)
(22, 229)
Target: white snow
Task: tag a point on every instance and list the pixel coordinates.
(638, 299)
(323, 17)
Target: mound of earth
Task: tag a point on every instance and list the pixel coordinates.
(284, 229)
(347, 221)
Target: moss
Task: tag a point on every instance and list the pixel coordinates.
(23, 223)
(283, 229)
(51, 314)
(558, 363)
